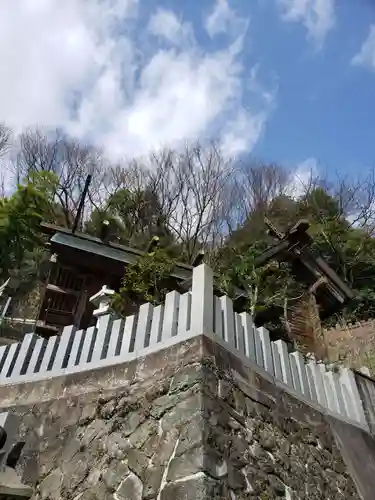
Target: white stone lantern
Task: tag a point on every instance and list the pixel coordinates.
(102, 302)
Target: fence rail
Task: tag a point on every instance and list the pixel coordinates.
(194, 313)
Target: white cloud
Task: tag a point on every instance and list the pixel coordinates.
(301, 177)
(366, 55)
(165, 24)
(318, 16)
(223, 19)
(242, 133)
(86, 67)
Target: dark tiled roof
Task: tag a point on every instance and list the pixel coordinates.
(114, 251)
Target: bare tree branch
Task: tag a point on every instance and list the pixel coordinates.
(71, 162)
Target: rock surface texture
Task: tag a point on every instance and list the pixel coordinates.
(189, 423)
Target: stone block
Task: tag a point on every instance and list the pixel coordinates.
(187, 377)
(76, 469)
(130, 489)
(151, 445)
(192, 435)
(278, 487)
(164, 403)
(97, 492)
(200, 487)
(197, 460)
(116, 446)
(226, 392)
(238, 450)
(72, 447)
(139, 437)
(239, 401)
(165, 446)
(131, 422)
(95, 430)
(152, 482)
(49, 488)
(108, 410)
(236, 479)
(114, 475)
(137, 462)
(182, 412)
(88, 413)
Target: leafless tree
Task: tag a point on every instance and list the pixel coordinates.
(5, 141)
(5, 135)
(203, 196)
(70, 161)
(257, 184)
(354, 197)
(262, 183)
(192, 187)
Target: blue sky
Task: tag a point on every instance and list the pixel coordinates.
(324, 102)
(291, 81)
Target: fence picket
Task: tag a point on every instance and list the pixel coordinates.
(8, 361)
(170, 315)
(86, 348)
(348, 402)
(102, 337)
(340, 395)
(75, 350)
(317, 375)
(142, 334)
(276, 361)
(117, 330)
(202, 301)
(282, 349)
(264, 337)
(334, 393)
(299, 363)
(295, 374)
(354, 404)
(239, 333)
(34, 358)
(3, 353)
(156, 325)
(127, 336)
(218, 317)
(228, 320)
(48, 354)
(331, 392)
(310, 370)
(248, 327)
(63, 350)
(184, 314)
(258, 348)
(24, 352)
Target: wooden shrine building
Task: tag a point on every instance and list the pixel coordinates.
(80, 266)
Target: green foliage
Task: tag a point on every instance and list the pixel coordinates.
(350, 251)
(270, 285)
(145, 280)
(23, 255)
(20, 218)
(134, 218)
(317, 205)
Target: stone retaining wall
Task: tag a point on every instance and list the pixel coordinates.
(188, 423)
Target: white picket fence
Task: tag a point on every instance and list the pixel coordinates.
(182, 316)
